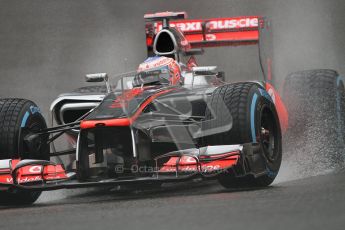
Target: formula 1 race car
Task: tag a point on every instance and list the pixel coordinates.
(169, 121)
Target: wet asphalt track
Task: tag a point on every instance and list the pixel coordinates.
(313, 203)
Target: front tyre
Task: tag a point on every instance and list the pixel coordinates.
(254, 120)
(17, 118)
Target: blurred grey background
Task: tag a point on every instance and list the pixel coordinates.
(47, 46)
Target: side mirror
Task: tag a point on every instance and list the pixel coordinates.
(96, 77)
(99, 77)
(205, 70)
(221, 75)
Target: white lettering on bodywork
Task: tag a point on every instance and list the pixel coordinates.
(219, 24)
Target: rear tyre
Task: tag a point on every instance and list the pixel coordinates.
(315, 100)
(254, 120)
(17, 118)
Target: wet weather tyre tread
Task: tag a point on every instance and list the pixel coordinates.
(9, 113)
(235, 98)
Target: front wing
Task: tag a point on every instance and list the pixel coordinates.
(207, 163)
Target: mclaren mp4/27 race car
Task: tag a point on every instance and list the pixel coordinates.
(169, 121)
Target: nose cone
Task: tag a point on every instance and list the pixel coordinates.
(123, 108)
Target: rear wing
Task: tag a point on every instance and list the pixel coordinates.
(213, 32)
(209, 32)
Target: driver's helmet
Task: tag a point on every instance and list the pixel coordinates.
(158, 70)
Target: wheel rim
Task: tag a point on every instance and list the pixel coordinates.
(33, 126)
(268, 135)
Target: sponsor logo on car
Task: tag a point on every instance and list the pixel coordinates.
(35, 169)
(25, 179)
(219, 24)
